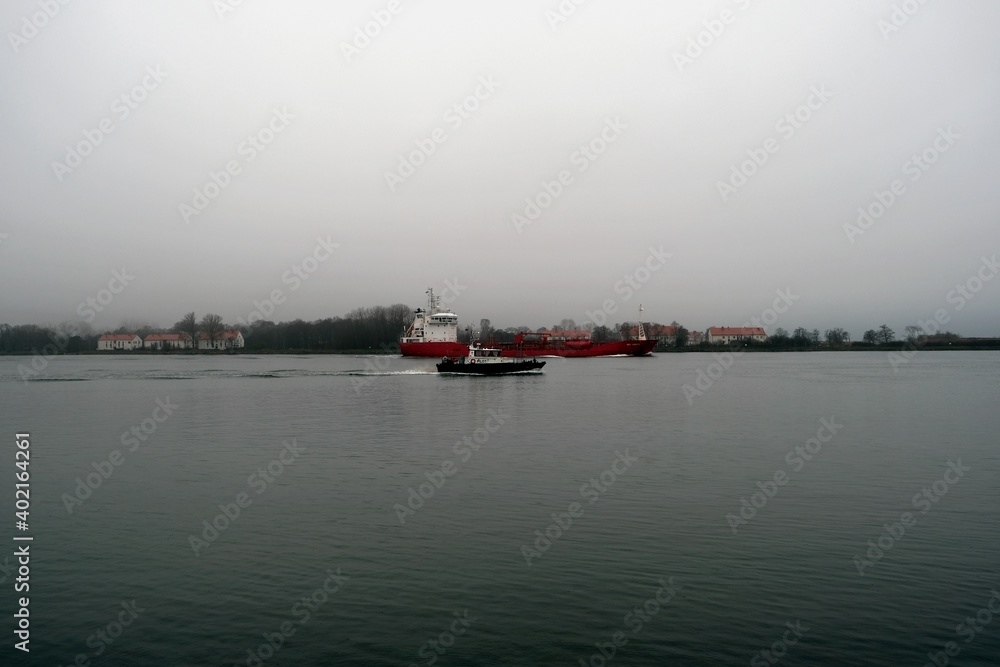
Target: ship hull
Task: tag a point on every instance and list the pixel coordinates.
(493, 368)
(634, 348)
(434, 349)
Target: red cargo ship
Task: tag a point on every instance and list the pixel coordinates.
(434, 333)
(575, 344)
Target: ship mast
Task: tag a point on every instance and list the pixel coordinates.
(642, 330)
(433, 302)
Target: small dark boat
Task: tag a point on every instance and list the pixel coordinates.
(486, 361)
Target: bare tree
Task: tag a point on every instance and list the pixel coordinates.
(681, 337)
(871, 336)
(885, 334)
(485, 329)
(211, 324)
(913, 332)
(400, 316)
(780, 335)
(600, 334)
(189, 325)
(836, 336)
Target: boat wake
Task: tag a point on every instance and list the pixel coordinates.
(220, 374)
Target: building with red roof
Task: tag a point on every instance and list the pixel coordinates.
(167, 341)
(231, 339)
(735, 334)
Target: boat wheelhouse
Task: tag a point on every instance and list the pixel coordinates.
(482, 360)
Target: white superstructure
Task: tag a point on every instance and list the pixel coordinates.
(432, 325)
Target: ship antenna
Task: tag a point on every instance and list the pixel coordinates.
(642, 331)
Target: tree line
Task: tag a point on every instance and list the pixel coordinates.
(373, 327)
(378, 328)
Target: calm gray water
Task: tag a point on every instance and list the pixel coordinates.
(465, 579)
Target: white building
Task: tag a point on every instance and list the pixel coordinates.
(231, 339)
(734, 334)
(167, 341)
(110, 342)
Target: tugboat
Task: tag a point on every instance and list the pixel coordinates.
(486, 361)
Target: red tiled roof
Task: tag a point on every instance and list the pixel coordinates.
(168, 336)
(117, 337)
(660, 330)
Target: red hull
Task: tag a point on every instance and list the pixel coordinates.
(636, 348)
(434, 349)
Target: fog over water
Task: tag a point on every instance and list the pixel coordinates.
(219, 151)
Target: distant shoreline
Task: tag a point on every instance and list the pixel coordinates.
(892, 347)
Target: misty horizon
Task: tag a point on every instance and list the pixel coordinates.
(218, 152)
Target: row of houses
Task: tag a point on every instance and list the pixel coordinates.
(224, 340)
(667, 334)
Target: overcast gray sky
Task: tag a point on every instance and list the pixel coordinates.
(115, 115)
